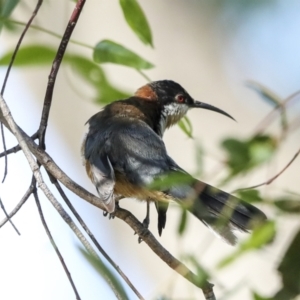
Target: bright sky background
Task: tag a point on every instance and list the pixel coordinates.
(262, 44)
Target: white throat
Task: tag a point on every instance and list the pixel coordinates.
(170, 115)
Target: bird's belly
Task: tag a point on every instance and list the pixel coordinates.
(128, 190)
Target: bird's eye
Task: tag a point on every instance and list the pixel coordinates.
(180, 98)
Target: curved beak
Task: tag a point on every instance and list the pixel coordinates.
(198, 104)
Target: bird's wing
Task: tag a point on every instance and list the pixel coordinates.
(100, 170)
(137, 152)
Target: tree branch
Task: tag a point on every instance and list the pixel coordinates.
(92, 237)
(54, 70)
(37, 201)
(19, 205)
(52, 167)
(16, 148)
(22, 139)
(272, 178)
(39, 3)
(8, 217)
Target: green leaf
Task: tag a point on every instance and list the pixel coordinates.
(183, 221)
(244, 155)
(166, 181)
(250, 196)
(6, 8)
(105, 273)
(136, 20)
(95, 76)
(290, 268)
(258, 297)
(110, 52)
(260, 236)
(288, 205)
(31, 55)
(201, 274)
(199, 160)
(186, 126)
(37, 55)
(238, 154)
(261, 148)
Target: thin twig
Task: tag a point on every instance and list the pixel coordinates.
(52, 33)
(161, 252)
(37, 201)
(269, 118)
(19, 205)
(16, 148)
(144, 75)
(39, 3)
(53, 168)
(8, 218)
(272, 178)
(23, 139)
(87, 230)
(54, 70)
(4, 152)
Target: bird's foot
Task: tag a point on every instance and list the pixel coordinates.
(145, 223)
(111, 215)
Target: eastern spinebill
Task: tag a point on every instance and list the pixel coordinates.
(124, 153)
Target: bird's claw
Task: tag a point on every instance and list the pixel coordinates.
(111, 215)
(145, 224)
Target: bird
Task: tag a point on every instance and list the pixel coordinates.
(124, 154)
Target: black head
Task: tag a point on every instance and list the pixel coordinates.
(168, 91)
(174, 97)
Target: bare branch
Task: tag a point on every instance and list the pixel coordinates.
(270, 117)
(161, 252)
(272, 178)
(8, 218)
(54, 70)
(37, 201)
(16, 148)
(22, 138)
(19, 205)
(4, 152)
(39, 3)
(52, 167)
(87, 230)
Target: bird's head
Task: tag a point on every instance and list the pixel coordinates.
(174, 101)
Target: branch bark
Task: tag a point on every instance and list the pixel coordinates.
(45, 160)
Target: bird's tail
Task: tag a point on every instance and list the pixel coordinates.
(219, 210)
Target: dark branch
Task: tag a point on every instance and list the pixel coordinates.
(19, 205)
(161, 252)
(39, 3)
(90, 234)
(273, 178)
(54, 70)
(17, 148)
(52, 167)
(8, 218)
(37, 201)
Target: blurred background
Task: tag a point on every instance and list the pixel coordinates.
(212, 48)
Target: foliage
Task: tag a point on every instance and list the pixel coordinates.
(243, 155)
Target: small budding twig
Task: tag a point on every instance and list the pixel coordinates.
(271, 179)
